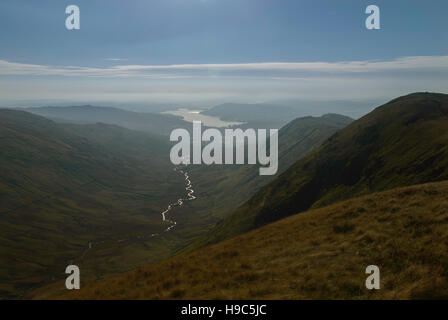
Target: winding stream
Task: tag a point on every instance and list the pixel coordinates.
(165, 216)
(180, 201)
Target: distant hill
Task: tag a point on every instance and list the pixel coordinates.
(403, 142)
(62, 186)
(255, 113)
(318, 254)
(155, 123)
(354, 109)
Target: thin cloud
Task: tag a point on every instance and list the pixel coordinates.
(273, 70)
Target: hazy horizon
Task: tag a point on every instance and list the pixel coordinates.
(203, 53)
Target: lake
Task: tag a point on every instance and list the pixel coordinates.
(195, 115)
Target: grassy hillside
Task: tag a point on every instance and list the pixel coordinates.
(403, 142)
(64, 186)
(318, 254)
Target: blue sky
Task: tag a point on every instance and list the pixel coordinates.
(220, 50)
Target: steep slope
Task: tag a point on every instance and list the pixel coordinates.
(64, 186)
(147, 122)
(304, 134)
(403, 142)
(319, 254)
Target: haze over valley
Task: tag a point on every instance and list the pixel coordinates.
(223, 149)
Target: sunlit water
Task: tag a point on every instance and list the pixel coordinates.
(196, 115)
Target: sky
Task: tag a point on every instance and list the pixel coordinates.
(204, 52)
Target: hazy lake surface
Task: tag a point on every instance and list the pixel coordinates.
(195, 115)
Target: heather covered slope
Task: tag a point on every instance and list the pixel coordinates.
(318, 254)
(403, 142)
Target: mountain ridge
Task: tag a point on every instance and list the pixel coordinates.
(154, 123)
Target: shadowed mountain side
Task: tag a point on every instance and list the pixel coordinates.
(39, 155)
(403, 142)
(319, 254)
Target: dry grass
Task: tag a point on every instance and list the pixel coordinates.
(319, 254)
